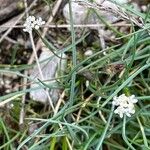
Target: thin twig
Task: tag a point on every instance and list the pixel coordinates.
(59, 102)
(83, 105)
(40, 70)
(75, 26)
(9, 99)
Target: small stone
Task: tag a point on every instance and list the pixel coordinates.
(88, 53)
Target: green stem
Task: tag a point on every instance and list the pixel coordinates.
(105, 130)
(74, 57)
(124, 134)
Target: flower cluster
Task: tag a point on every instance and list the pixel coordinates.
(125, 105)
(32, 22)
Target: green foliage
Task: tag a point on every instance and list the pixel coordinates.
(84, 121)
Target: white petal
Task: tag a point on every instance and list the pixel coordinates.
(43, 22)
(115, 98)
(39, 19)
(25, 24)
(36, 27)
(134, 100)
(132, 111)
(114, 103)
(32, 25)
(25, 30)
(116, 111)
(32, 18)
(121, 115)
(129, 115)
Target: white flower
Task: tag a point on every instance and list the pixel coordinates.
(32, 22)
(125, 105)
